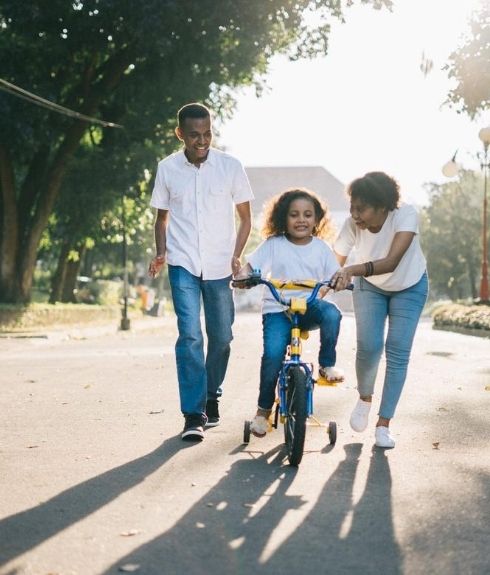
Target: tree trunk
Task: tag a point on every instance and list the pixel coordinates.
(9, 237)
(72, 272)
(58, 279)
(19, 251)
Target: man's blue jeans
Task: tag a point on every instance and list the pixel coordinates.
(276, 330)
(372, 306)
(201, 378)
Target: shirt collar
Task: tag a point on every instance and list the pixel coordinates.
(210, 160)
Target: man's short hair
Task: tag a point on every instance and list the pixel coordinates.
(193, 110)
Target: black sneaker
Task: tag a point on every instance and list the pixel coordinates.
(212, 412)
(194, 427)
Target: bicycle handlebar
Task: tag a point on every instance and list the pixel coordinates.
(255, 279)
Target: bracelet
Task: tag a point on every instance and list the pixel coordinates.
(368, 269)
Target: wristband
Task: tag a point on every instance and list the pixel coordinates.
(368, 269)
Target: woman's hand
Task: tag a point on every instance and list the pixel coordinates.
(341, 278)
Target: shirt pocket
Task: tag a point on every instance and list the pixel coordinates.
(220, 186)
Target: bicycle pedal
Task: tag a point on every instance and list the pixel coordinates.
(323, 381)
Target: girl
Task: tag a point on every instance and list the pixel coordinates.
(294, 223)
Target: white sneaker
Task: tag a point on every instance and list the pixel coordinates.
(383, 437)
(259, 425)
(360, 415)
(332, 374)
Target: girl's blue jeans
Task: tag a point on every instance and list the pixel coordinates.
(402, 309)
(200, 378)
(276, 328)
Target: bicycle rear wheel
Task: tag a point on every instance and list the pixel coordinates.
(296, 415)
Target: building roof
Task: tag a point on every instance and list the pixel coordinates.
(270, 181)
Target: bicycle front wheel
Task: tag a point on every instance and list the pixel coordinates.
(296, 414)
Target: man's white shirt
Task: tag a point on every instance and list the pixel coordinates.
(201, 230)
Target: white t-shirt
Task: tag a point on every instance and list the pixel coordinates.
(279, 258)
(201, 227)
(375, 246)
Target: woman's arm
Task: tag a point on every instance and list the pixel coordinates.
(400, 244)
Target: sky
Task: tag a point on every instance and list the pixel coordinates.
(366, 105)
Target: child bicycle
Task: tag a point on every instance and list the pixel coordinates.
(294, 403)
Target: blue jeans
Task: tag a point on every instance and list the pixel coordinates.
(276, 329)
(402, 308)
(199, 378)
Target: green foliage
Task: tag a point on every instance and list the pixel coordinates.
(451, 236)
(133, 63)
(469, 66)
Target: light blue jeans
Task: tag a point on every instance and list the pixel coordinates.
(201, 378)
(276, 329)
(372, 306)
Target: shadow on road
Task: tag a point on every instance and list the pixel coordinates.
(234, 527)
(25, 530)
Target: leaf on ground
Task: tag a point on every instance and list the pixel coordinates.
(442, 409)
(130, 533)
(435, 445)
(32, 446)
(487, 388)
(87, 386)
(129, 567)
(155, 412)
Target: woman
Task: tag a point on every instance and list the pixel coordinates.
(390, 278)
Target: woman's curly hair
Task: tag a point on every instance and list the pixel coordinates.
(276, 212)
(376, 189)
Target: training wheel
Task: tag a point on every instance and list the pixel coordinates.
(332, 432)
(246, 432)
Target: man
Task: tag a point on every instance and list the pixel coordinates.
(197, 192)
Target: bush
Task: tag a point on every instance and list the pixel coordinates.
(19, 317)
(462, 316)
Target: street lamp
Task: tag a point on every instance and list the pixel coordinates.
(450, 169)
(484, 136)
(125, 321)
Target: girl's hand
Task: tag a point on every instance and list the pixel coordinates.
(155, 266)
(341, 279)
(322, 292)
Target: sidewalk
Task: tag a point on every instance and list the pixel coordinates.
(83, 331)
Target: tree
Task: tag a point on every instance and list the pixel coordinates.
(469, 65)
(451, 236)
(128, 62)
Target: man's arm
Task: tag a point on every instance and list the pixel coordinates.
(158, 261)
(245, 216)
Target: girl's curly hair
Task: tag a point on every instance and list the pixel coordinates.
(276, 212)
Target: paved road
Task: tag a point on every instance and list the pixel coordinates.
(95, 480)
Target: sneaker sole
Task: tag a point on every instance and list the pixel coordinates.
(192, 436)
(212, 424)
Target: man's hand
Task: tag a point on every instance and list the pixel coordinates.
(235, 265)
(155, 266)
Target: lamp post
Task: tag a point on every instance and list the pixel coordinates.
(450, 169)
(125, 321)
(484, 136)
